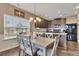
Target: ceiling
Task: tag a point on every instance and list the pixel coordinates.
(49, 11)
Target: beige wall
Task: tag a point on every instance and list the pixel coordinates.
(8, 9)
(78, 27)
(71, 19)
(1, 24)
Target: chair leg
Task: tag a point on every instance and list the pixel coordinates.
(55, 53)
(19, 52)
(23, 53)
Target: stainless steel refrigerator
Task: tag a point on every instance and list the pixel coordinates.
(71, 30)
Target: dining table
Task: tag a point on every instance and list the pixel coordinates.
(42, 43)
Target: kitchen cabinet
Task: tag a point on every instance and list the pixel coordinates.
(42, 24)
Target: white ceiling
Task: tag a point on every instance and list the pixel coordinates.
(49, 11)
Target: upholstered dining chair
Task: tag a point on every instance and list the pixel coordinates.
(26, 46)
(50, 51)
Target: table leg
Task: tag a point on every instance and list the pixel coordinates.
(44, 51)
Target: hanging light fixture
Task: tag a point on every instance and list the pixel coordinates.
(35, 18)
(31, 18)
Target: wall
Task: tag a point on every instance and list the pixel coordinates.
(9, 9)
(71, 19)
(78, 27)
(1, 24)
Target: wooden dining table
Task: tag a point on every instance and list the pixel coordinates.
(42, 43)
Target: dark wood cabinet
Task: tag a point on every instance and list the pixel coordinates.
(42, 24)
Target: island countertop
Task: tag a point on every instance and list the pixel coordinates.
(62, 33)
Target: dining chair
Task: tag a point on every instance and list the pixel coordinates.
(50, 51)
(26, 46)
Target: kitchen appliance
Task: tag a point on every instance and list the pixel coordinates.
(71, 30)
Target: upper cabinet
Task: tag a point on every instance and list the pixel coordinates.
(42, 24)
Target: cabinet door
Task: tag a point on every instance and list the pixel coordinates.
(42, 24)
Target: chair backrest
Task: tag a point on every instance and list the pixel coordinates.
(19, 41)
(49, 35)
(26, 42)
(56, 41)
(39, 34)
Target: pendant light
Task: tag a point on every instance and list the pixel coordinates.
(35, 18)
